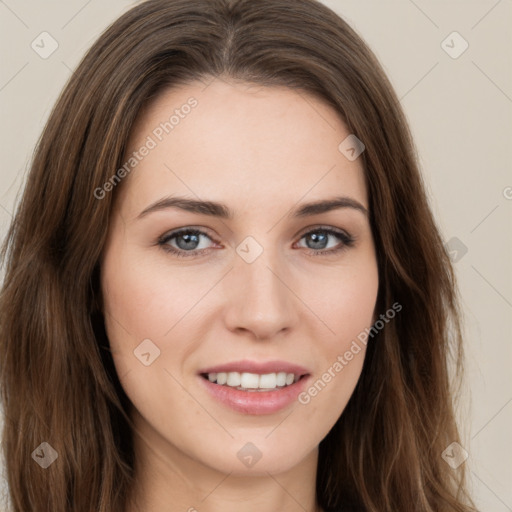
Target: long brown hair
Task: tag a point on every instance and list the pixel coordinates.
(58, 382)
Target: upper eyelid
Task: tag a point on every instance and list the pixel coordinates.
(205, 232)
(321, 227)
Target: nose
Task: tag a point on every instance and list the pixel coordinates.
(261, 298)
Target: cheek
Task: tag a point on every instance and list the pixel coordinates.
(138, 306)
(344, 300)
(346, 305)
(147, 319)
(145, 300)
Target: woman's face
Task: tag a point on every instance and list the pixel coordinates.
(274, 289)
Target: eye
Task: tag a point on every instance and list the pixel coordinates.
(319, 239)
(186, 242)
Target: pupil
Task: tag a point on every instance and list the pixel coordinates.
(188, 236)
(315, 237)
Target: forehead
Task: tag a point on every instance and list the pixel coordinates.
(240, 143)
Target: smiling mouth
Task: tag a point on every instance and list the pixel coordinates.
(253, 382)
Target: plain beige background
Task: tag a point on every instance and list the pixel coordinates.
(459, 104)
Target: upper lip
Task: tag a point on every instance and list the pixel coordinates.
(258, 367)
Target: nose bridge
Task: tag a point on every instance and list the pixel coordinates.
(263, 303)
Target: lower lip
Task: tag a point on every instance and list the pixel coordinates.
(256, 402)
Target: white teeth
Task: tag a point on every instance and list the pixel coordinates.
(281, 379)
(222, 378)
(233, 379)
(249, 381)
(268, 380)
(253, 381)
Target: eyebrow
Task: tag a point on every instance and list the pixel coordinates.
(220, 210)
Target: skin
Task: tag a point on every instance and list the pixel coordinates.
(262, 151)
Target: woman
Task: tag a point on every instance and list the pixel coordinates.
(298, 360)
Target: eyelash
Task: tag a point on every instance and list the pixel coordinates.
(347, 241)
